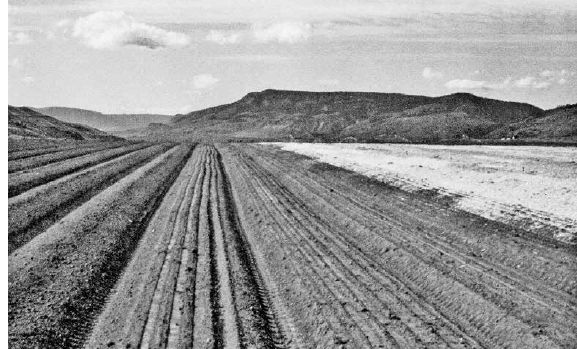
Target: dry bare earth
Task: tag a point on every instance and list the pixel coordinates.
(264, 248)
(30, 162)
(34, 210)
(361, 264)
(21, 181)
(192, 281)
(59, 280)
(29, 150)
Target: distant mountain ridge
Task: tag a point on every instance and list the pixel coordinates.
(26, 123)
(373, 117)
(104, 122)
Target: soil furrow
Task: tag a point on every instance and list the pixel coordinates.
(230, 331)
(124, 319)
(480, 325)
(190, 297)
(156, 330)
(34, 211)
(248, 246)
(481, 280)
(434, 223)
(34, 162)
(22, 181)
(307, 223)
(63, 277)
(311, 248)
(22, 154)
(259, 324)
(322, 282)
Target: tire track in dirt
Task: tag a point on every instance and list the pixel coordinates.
(370, 266)
(403, 332)
(186, 285)
(361, 297)
(257, 319)
(507, 288)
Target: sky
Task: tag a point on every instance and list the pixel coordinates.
(176, 56)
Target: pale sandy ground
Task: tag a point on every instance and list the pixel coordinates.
(534, 187)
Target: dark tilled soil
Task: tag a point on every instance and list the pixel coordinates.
(247, 246)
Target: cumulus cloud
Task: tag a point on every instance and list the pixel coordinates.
(528, 82)
(18, 38)
(203, 81)
(547, 73)
(223, 38)
(107, 30)
(465, 84)
(284, 32)
(429, 73)
(558, 76)
(531, 82)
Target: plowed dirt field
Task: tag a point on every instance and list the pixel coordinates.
(249, 246)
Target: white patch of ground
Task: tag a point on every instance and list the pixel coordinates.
(531, 185)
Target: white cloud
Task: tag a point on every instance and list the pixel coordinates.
(541, 85)
(223, 38)
(430, 73)
(106, 30)
(531, 82)
(465, 84)
(284, 32)
(18, 38)
(203, 81)
(525, 82)
(558, 76)
(528, 82)
(556, 73)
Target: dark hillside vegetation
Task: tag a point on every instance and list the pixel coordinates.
(277, 115)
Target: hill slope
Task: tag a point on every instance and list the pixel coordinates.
(354, 116)
(557, 124)
(104, 122)
(25, 123)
